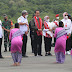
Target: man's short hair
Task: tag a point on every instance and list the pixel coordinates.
(36, 10)
(24, 12)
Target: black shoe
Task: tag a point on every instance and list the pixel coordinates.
(32, 51)
(9, 49)
(40, 55)
(46, 54)
(35, 55)
(25, 56)
(5, 50)
(49, 54)
(1, 57)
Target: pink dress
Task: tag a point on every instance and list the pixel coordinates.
(60, 45)
(71, 52)
(16, 42)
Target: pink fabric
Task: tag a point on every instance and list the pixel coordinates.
(71, 51)
(60, 44)
(64, 14)
(16, 43)
(60, 57)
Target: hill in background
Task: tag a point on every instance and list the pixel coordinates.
(13, 8)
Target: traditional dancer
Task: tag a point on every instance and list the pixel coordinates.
(16, 45)
(60, 46)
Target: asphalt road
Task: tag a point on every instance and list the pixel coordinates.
(35, 64)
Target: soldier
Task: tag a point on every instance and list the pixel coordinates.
(6, 25)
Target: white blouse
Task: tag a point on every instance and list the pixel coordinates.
(47, 30)
(67, 25)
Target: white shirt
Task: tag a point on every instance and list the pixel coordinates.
(47, 30)
(71, 27)
(57, 23)
(1, 33)
(67, 25)
(23, 28)
(54, 25)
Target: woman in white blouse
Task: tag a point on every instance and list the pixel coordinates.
(67, 27)
(47, 33)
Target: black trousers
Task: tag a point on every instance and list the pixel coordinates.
(0, 45)
(71, 40)
(47, 42)
(32, 41)
(68, 44)
(37, 44)
(54, 40)
(6, 40)
(24, 45)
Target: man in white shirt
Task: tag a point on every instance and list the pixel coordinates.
(1, 35)
(55, 25)
(24, 27)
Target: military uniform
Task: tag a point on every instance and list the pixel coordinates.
(7, 24)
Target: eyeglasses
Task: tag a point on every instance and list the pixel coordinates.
(66, 15)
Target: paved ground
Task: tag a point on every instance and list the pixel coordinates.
(35, 64)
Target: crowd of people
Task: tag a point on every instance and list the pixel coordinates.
(16, 38)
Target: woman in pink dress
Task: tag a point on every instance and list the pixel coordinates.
(60, 46)
(71, 53)
(16, 45)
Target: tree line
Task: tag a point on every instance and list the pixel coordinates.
(13, 8)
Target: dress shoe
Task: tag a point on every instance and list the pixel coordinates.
(25, 56)
(40, 55)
